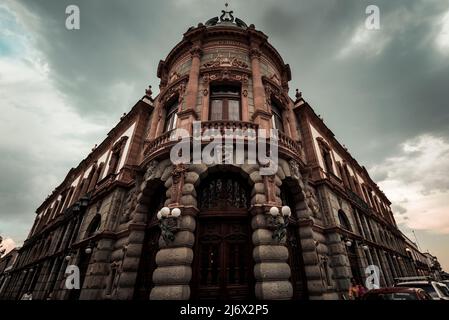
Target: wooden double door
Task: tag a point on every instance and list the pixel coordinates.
(223, 268)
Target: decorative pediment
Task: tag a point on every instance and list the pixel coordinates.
(273, 90)
(176, 89)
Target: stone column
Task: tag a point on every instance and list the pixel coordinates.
(382, 262)
(155, 119)
(132, 253)
(271, 270)
(95, 280)
(187, 113)
(174, 258)
(192, 85)
(340, 262)
(261, 115)
(292, 122)
(39, 290)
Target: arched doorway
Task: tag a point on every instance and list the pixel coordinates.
(147, 264)
(295, 258)
(223, 266)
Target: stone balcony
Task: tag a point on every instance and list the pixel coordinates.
(237, 129)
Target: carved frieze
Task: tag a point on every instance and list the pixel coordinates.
(223, 75)
(221, 61)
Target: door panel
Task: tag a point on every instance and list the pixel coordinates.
(224, 259)
(296, 263)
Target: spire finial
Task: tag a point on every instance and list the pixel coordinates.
(226, 15)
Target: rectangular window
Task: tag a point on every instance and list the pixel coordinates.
(216, 110)
(276, 118)
(172, 117)
(233, 110)
(225, 103)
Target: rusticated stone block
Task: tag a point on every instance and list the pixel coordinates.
(191, 177)
(171, 292)
(130, 263)
(315, 287)
(259, 221)
(255, 177)
(262, 236)
(198, 168)
(127, 280)
(188, 200)
(182, 238)
(259, 199)
(188, 223)
(134, 250)
(174, 256)
(172, 275)
(167, 173)
(313, 272)
(272, 271)
(310, 258)
(274, 290)
(270, 253)
(136, 236)
(188, 188)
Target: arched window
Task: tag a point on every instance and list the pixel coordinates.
(94, 225)
(225, 103)
(326, 154)
(116, 154)
(172, 116)
(344, 221)
(276, 118)
(223, 191)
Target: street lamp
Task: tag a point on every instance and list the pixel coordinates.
(276, 222)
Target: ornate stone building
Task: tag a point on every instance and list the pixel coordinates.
(220, 237)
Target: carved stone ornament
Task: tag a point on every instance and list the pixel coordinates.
(294, 168)
(312, 201)
(225, 75)
(178, 172)
(150, 170)
(196, 51)
(276, 92)
(176, 89)
(221, 61)
(174, 76)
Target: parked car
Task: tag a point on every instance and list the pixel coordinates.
(397, 293)
(437, 290)
(446, 282)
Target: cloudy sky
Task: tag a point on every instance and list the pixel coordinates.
(384, 93)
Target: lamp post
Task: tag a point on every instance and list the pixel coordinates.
(278, 221)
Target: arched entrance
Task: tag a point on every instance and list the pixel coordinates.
(293, 241)
(147, 264)
(223, 266)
